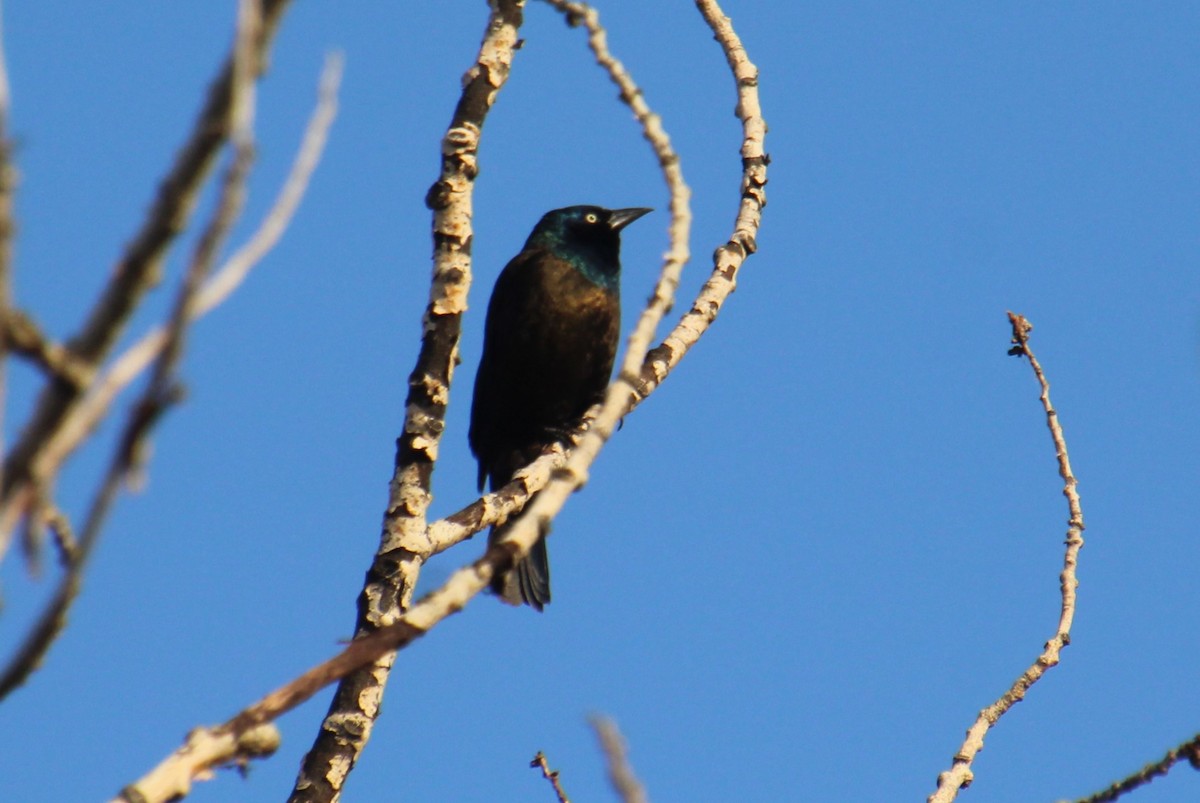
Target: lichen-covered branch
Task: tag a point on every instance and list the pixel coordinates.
(393, 573)
(959, 775)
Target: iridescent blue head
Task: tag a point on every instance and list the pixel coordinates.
(589, 237)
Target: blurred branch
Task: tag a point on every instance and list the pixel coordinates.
(390, 580)
(135, 274)
(21, 335)
(620, 774)
(959, 775)
(163, 389)
(8, 181)
(64, 535)
(1189, 750)
(540, 762)
(94, 407)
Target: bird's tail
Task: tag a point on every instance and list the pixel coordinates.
(529, 581)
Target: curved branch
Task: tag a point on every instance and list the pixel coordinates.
(661, 360)
(959, 775)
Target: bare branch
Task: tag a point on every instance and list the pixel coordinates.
(138, 270)
(196, 760)
(366, 650)
(620, 774)
(94, 407)
(959, 775)
(349, 720)
(495, 507)
(162, 391)
(729, 257)
(540, 762)
(22, 336)
(393, 574)
(64, 535)
(661, 360)
(1189, 750)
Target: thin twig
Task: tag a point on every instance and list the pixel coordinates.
(162, 391)
(959, 775)
(135, 274)
(394, 570)
(540, 762)
(620, 773)
(1189, 750)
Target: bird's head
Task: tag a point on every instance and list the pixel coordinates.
(588, 236)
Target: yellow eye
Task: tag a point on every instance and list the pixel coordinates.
(591, 217)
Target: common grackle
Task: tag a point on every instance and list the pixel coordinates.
(548, 348)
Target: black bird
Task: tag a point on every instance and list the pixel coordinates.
(548, 347)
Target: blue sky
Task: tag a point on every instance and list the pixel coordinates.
(805, 564)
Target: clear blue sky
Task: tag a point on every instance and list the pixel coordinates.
(798, 571)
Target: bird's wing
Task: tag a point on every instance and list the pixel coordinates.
(501, 349)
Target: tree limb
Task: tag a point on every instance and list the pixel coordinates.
(959, 775)
(397, 563)
(374, 649)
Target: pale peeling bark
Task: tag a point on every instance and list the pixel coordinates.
(403, 546)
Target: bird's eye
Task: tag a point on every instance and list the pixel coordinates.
(591, 217)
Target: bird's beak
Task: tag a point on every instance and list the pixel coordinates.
(620, 218)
